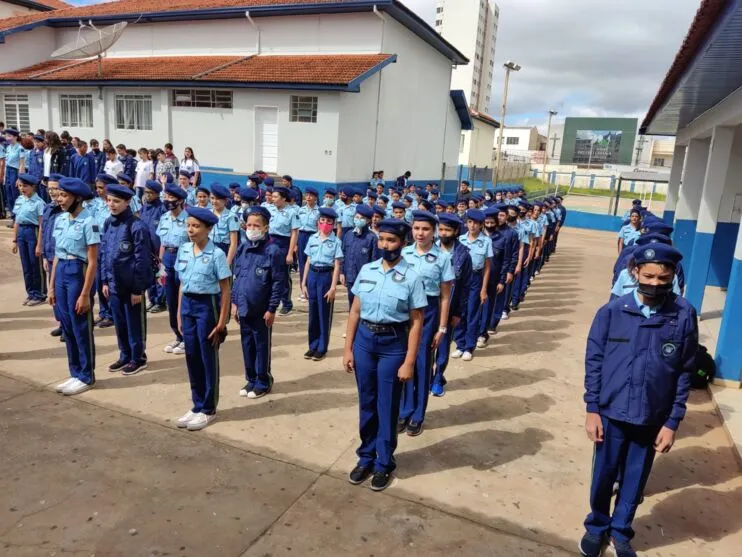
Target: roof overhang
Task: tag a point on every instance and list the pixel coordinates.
(393, 7)
(39, 7)
(706, 69)
(458, 97)
(485, 119)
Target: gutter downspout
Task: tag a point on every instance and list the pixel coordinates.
(378, 14)
(257, 31)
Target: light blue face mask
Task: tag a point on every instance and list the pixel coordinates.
(359, 223)
(327, 202)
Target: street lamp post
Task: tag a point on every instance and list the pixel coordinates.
(509, 66)
(552, 113)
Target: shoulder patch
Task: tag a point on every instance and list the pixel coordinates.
(398, 277)
(96, 228)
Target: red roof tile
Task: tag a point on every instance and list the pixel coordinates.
(54, 4)
(122, 7)
(309, 69)
(484, 118)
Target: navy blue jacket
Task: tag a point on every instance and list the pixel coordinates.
(150, 215)
(358, 249)
(462, 268)
(512, 249)
(260, 278)
(126, 254)
(100, 160)
(66, 162)
(48, 244)
(497, 262)
(130, 166)
(35, 163)
(638, 370)
(83, 167)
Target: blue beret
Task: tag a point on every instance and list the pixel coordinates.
(383, 198)
(38, 138)
(106, 179)
(424, 216)
(442, 203)
(204, 215)
(491, 212)
(311, 190)
(658, 227)
(399, 205)
(176, 191)
(29, 179)
(347, 190)
(76, 187)
(204, 188)
(635, 210)
(12, 131)
(331, 191)
(477, 196)
(185, 173)
(219, 191)
(394, 226)
(57, 177)
(283, 191)
(328, 212)
(636, 202)
(365, 210)
(558, 198)
(372, 195)
(657, 253)
(268, 181)
(153, 185)
(121, 177)
(475, 215)
(423, 194)
(434, 191)
(408, 198)
(653, 238)
(287, 178)
(379, 211)
(262, 211)
(426, 205)
(234, 186)
(451, 220)
(248, 194)
(117, 190)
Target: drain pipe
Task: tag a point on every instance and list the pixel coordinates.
(257, 31)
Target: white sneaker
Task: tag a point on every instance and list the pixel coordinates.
(457, 354)
(75, 388)
(172, 346)
(180, 349)
(244, 392)
(62, 386)
(536, 273)
(505, 316)
(481, 342)
(302, 298)
(185, 418)
(467, 357)
(200, 421)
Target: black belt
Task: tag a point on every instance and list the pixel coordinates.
(171, 249)
(27, 225)
(478, 272)
(384, 328)
(198, 296)
(317, 269)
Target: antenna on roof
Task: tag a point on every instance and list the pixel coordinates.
(94, 45)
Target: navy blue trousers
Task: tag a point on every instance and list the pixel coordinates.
(415, 393)
(284, 242)
(256, 340)
(104, 308)
(628, 448)
(131, 327)
(31, 265)
(320, 310)
(301, 246)
(10, 190)
(78, 329)
(520, 282)
(172, 286)
(378, 358)
(199, 314)
(465, 334)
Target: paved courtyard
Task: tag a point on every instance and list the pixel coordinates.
(502, 468)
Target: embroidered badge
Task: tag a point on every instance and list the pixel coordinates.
(430, 258)
(479, 243)
(668, 349)
(364, 250)
(205, 260)
(398, 277)
(649, 253)
(79, 227)
(126, 247)
(259, 271)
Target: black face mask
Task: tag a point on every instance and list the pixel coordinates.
(74, 206)
(490, 229)
(512, 219)
(654, 291)
(171, 205)
(447, 241)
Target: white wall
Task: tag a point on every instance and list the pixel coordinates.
(478, 145)
(524, 136)
(357, 142)
(732, 197)
(25, 49)
(97, 131)
(452, 140)
(10, 10)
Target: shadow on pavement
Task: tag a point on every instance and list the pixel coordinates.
(499, 379)
(288, 406)
(501, 407)
(691, 466)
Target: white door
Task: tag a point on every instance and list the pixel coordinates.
(266, 138)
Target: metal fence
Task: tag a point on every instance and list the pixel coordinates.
(481, 178)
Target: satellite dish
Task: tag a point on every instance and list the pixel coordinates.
(94, 44)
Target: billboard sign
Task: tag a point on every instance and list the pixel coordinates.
(597, 147)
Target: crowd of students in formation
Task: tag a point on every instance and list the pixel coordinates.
(640, 357)
(421, 274)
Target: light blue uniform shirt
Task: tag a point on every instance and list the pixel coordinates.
(323, 252)
(190, 196)
(74, 235)
(2, 151)
(14, 154)
(389, 296)
(308, 217)
(629, 234)
(543, 222)
(535, 227)
(135, 205)
(647, 311)
(283, 221)
(172, 231)
(101, 216)
(347, 214)
(625, 283)
(433, 267)
(94, 205)
(228, 223)
(524, 231)
(28, 209)
(480, 249)
(200, 274)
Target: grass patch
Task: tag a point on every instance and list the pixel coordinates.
(535, 187)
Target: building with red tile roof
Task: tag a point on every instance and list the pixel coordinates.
(15, 8)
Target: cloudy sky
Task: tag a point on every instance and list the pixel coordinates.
(579, 57)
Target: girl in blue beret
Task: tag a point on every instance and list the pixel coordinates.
(28, 209)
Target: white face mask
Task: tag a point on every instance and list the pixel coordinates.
(244, 204)
(255, 235)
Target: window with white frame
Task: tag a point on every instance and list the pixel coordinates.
(303, 109)
(513, 140)
(17, 114)
(202, 98)
(133, 112)
(76, 111)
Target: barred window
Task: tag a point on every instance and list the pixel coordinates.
(133, 112)
(17, 112)
(202, 98)
(76, 110)
(513, 140)
(303, 109)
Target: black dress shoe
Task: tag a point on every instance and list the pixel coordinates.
(401, 425)
(318, 356)
(118, 365)
(158, 309)
(56, 332)
(413, 429)
(150, 306)
(309, 354)
(105, 323)
(381, 481)
(358, 475)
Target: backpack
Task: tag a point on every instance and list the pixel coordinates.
(705, 369)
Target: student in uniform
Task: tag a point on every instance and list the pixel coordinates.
(308, 216)
(73, 273)
(127, 273)
(83, 164)
(346, 210)
(433, 265)
(359, 248)
(173, 233)
(151, 213)
(448, 240)
(630, 232)
(135, 204)
(99, 210)
(46, 237)
(399, 210)
(328, 200)
(203, 197)
(15, 163)
(35, 165)
(498, 274)
(480, 249)
(525, 234)
(225, 233)
(260, 276)
(381, 344)
(284, 231)
(203, 311)
(635, 404)
(28, 210)
(321, 272)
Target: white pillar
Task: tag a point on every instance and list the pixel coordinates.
(689, 197)
(673, 186)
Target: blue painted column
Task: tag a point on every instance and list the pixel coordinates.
(673, 186)
(689, 197)
(729, 345)
(713, 188)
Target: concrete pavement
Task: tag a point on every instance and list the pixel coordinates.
(501, 469)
